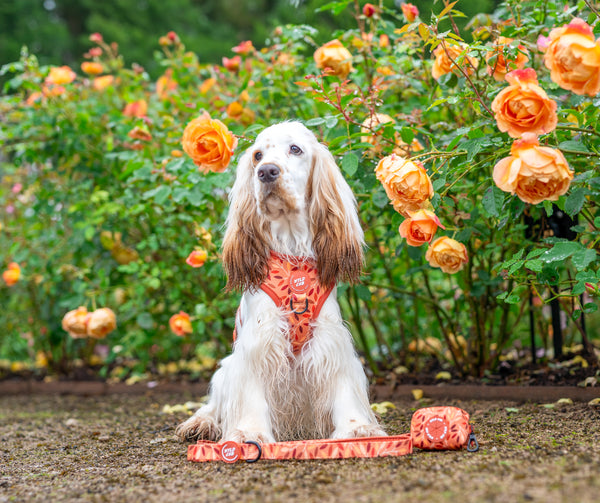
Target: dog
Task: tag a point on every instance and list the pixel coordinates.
(292, 227)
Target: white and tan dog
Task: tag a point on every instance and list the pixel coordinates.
(289, 200)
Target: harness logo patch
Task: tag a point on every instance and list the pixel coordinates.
(299, 282)
(436, 429)
(230, 452)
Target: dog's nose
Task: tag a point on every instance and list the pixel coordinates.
(268, 173)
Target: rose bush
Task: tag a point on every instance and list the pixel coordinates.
(111, 212)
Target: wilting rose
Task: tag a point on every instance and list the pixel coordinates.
(140, 133)
(498, 65)
(532, 172)
(197, 258)
(420, 227)
(101, 83)
(60, 75)
(180, 324)
(165, 84)
(447, 254)
(573, 58)
(406, 183)
(12, 274)
(409, 11)
(76, 322)
(137, 108)
(334, 57)
(101, 322)
(92, 68)
(523, 106)
(209, 143)
(443, 63)
(244, 48)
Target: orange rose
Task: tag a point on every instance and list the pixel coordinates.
(101, 322)
(76, 322)
(180, 324)
(498, 65)
(101, 83)
(406, 183)
(92, 68)
(523, 106)
(532, 172)
(136, 109)
(445, 60)
(244, 48)
(209, 143)
(60, 75)
(573, 58)
(207, 85)
(409, 11)
(447, 254)
(334, 58)
(12, 274)
(232, 64)
(234, 109)
(197, 258)
(420, 227)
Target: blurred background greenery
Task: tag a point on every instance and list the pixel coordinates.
(57, 31)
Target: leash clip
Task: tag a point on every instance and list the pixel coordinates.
(472, 444)
(294, 310)
(257, 445)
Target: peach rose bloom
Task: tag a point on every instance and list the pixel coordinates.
(136, 109)
(60, 75)
(101, 83)
(409, 11)
(420, 227)
(500, 66)
(406, 183)
(180, 324)
(447, 254)
(76, 322)
(207, 85)
(209, 143)
(101, 322)
(573, 58)
(244, 48)
(523, 106)
(371, 123)
(335, 57)
(12, 274)
(443, 64)
(232, 64)
(92, 68)
(532, 172)
(197, 258)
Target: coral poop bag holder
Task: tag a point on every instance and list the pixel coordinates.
(431, 428)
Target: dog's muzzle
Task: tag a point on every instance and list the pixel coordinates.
(268, 173)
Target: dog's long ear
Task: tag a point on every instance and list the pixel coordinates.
(245, 245)
(335, 227)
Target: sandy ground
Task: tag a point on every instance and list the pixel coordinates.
(122, 448)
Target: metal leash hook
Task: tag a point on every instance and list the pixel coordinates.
(298, 312)
(257, 445)
(472, 444)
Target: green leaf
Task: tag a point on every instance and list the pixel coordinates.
(573, 145)
(492, 201)
(195, 196)
(317, 121)
(583, 258)
(590, 307)
(575, 200)
(380, 199)
(473, 146)
(560, 252)
(407, 135)
(535, 265)
(145, 320)
(363, 292)
(350, 164)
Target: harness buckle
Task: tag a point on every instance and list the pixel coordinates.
(294, 310)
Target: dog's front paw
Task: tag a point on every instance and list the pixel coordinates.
(241, 436)
(364, 430)
(199, 426)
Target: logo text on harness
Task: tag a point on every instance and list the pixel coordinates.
(230, 452)
(299, 282)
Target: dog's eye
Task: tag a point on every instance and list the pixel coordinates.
(257, 156)
(295, 149)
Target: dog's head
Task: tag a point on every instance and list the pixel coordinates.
(288, 181)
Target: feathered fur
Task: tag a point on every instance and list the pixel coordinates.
(263, 392)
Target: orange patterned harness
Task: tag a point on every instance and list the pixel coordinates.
(293, 284)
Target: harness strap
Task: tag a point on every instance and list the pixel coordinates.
(365, 447)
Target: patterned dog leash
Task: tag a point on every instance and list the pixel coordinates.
(432, 428)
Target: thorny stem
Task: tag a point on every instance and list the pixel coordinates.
(579, 129)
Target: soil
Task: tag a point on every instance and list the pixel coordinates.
(120, 447)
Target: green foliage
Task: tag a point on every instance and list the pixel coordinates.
(100, 208)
